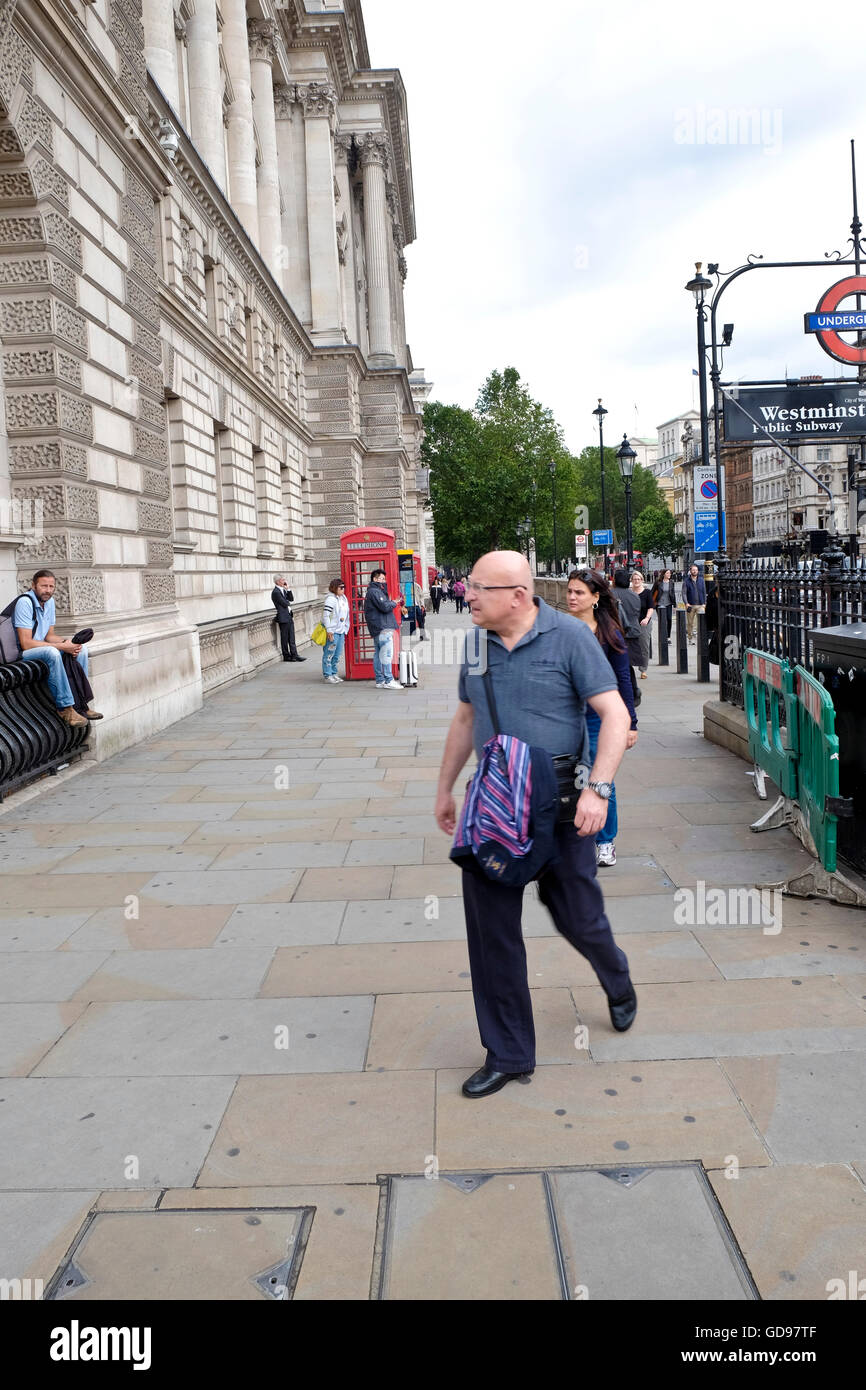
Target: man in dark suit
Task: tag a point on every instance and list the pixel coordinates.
(282, 599)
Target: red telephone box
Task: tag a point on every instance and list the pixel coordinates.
(361, 551)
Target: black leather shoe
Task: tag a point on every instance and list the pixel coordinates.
(299, 658)
(623, 1011)
(485, 1081)
(288, 658)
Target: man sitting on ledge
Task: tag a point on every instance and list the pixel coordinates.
(34, 621)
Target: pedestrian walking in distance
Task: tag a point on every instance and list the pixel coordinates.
(589, 598)
(694, 597)
(664, 600)
(629, 606)
(637, 586)
(459, 594)
(436, 594)
(336, 622)
(544, 669)
(282, 599)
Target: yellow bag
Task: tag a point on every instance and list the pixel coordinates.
(319, 635)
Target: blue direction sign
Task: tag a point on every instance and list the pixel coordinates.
(602, 537)
(707, 531)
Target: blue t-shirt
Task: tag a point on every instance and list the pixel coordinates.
(541, 686)
(23, 615)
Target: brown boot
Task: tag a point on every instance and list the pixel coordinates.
(92, 714)
(70, 715)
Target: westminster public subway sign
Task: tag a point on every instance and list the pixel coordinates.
(804, 412)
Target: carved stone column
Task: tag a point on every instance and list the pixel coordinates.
(374, 159)
(205, 88)
(241, 135)
(320, 111)
(262, 54)
(346, 238)
(160, 52)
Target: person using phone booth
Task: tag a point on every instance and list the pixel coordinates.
(363, 550)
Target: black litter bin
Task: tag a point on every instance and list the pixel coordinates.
(839, 655)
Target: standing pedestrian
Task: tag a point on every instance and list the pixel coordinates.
(282, 598)
(664, 601)
(379, 615)
(629, 615)
(436, 594)
(589, 598)
(637, 586)
(459, 594)
(418, 614)
(336, 622)
(695, 598)
(449, 592)
(544, 669)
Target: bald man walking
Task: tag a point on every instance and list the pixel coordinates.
(545, 668)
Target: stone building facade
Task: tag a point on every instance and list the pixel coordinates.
(203, 215)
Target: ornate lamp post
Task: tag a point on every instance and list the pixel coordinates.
(626, 457)
(599, 414)
(552, 466)
(698, 286)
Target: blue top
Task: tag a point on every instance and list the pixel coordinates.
(622, 670)
(541, 686)
(694, 590)
(23, 615)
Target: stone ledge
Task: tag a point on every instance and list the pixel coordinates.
(727, 726)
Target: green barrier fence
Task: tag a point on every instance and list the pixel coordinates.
(817, 764)
(770, 702)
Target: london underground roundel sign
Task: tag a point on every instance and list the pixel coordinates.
(830, 339)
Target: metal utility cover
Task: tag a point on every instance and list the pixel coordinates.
(202, 1254)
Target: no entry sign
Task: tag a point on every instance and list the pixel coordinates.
(825, 314)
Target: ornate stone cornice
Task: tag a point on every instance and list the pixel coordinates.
(318, 99)
(375, 149)
(262, 39)
(179, 26)
(285, 97)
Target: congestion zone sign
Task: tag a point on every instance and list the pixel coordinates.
(827, 324)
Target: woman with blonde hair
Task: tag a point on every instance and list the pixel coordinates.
(637, 585)
(336, 622)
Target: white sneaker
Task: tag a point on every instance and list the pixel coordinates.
(338, 679)
(332, 680)
(393, 685)
(606, 855)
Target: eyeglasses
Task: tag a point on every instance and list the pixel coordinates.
(474, 587)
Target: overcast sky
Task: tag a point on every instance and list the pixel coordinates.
(569, 171)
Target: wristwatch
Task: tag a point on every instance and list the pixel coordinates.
(602, 789)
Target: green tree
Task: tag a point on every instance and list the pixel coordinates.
(655, 533)
(645, 491)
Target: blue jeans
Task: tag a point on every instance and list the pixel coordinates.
(607, 834)
(331, 653)
(57, 682)
(383, 656)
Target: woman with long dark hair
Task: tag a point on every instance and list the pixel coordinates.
(590, 598)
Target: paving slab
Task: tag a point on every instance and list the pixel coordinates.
(37, 1229)
(297, 1129)
(742, 952)
(158, 926)
(28, 1031)
(799, 1228)
(286, 854)
(129, 858)
(261, 925)
(49, 976)
(427, 1031)
(214, 1037)
(97, 1125)
(376, 968)
(180, 887)
(809, 1109)
(32, 930)
(493, 1242)
(782, 859)
(233, 973)
(88, 890)
(263, 832)
(338, 1259)
(603, 1114)
(718, 1018)
(653, 957)
(656, 1237)
(167, 833)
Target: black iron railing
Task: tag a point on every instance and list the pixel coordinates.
(772, 605)
(33, 737)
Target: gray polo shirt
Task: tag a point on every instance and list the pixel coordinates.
(541, 686)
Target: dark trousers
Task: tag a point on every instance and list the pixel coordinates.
(666, 617)
(436, 602)
(459, 601)
(287, 639)
(497, 955)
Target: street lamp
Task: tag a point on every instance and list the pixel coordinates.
(552, 466)
(698, 286)
(600, 413)
(626, 458)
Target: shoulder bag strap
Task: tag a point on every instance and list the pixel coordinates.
(488, 686)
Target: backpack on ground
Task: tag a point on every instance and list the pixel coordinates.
(10, 647)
